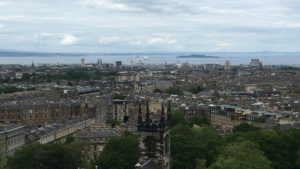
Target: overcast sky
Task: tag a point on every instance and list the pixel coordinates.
(149, 25)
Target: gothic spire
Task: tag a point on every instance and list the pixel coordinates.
(140, 113)
(169, 113)
(147, 112)
(162, 115)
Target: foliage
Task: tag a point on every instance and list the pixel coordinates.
(119, 96)
(112, 122)
(178, 117)
(174, 90)
(193, 147)
(10, 89)
(156, 90)
(69, 139)
(26, 77)
(119, 153)
(200, 120)
(245, 155)
(280, 147)
(244, 127)
(195, 89)
(76, 74)
(200, 164)
(47, 156)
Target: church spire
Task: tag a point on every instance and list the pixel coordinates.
(169, 114)
(147, 112)
(162, 115)
(140, 114)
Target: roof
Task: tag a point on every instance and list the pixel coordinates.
(7, 127)
(104, 133)
(150, 164)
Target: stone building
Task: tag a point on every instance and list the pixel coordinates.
(35, 114)
(12, 137)
(126, 76)
(57, 132)
(96, 139)
(223, 116)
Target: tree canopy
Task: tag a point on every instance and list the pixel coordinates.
(46, 156)
(191, 146)
(245, 155)
(119, 153)
(174, 90)
(178, 117)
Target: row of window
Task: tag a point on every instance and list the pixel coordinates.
(15, 140)
(34, 110)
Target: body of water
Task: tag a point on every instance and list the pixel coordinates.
(235, 59)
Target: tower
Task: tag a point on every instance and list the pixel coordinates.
(82, 63)
(99, 63)
(227, 65)
(154, 136)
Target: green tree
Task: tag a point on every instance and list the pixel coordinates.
(243, 155)
(156, 90)
(174, 90)
(200, 120)
(119, 153)
(195, 89)
(193, 147)
(298, 159)
(119, 96)
(200, 164)
(280, 147)
(69, 139)
(48, 156)
(26, 77)
(178, 117)
(245, 127)
(113, 122)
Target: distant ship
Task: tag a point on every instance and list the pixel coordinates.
(141, 58)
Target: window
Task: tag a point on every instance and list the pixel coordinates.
(150, 143)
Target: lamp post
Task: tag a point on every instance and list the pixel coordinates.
(96, 167)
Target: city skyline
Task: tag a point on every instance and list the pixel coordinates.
(138, 26)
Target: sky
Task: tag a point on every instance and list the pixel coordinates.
(150, 25)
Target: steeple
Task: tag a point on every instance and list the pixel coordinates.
(147, 113)
(169, 114)
(162, 115)
(140, 114)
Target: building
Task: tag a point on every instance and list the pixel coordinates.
(227, 65)
(12, 137)
(57, 132)
(118, 63)
(255, 63)
(150, 85)
(154, 136)
(212, 66)
(96, 139)
(126, 76)
(224, 116)
(120, 110)
(39, 113)
(250, 88)
(99, 63)
(145, 86)
(82, 63)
